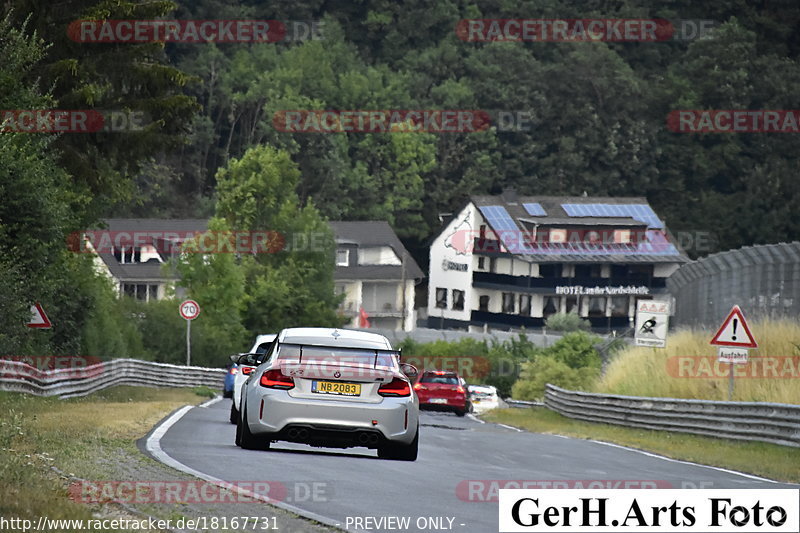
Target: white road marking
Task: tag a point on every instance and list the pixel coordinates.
(510, 427)
(655, 455)
(153, 445)
(475, 418)
(211, 402)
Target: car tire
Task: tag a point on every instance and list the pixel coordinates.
(227, 394)
(234, 414)
(400, 452)
(244, 438)
(460, 412)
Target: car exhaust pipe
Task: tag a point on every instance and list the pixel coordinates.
(292, 433)
(363, 438)
(373, 438)
(302, 434)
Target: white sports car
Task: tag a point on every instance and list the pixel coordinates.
(331, 388)
(245, 363)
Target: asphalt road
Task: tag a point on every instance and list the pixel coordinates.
(354, 483)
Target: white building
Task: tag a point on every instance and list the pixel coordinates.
(376, 273)
(509, 262)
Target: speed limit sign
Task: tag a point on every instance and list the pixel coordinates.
(189, 310)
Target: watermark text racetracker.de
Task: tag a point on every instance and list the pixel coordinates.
(710, 367)
(39, 366)
(72, 121)
(200, 492)
(142, 245)
(402, 120)
(194, 31)
(734, 121)
(582, 30)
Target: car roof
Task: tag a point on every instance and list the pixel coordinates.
(261, 339)
(334, 336)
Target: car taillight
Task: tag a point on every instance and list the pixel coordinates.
(460, 389)
(234, 370)
(397, 387)
(419, 386)
(274, 379)
(247, 370)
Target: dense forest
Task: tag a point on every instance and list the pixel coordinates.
(598, 115)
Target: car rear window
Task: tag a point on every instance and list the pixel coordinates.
(436, 378)
(333, 354)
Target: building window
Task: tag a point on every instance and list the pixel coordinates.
(558, 235)
(126, 256)
(483, 303)
(619, 271)
(551, 305)
(641, 271)
(481, 263)
(492, 264)
(571, 304)
(508, 302)
(482, 231)
(140, 291)
(525, 304)
(458, 300)
(342, 258)
(588, 271)
(622, 236)
(597, 306)
(619, 306)
(550, 270)
(441, 298)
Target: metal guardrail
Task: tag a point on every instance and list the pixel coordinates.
(522, 404)
(775, 423)
(72, 382)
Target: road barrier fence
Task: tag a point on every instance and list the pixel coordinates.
(73, 382)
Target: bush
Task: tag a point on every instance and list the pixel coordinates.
(536, 374)
(567, 322)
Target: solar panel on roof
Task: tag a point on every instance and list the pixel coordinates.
(535, 209)
(506, 229)
(641, 212)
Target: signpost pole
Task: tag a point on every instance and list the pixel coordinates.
(730, 381)
(189, 310)
(188, 343)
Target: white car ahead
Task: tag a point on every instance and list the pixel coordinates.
(331, 388)
(245, 363)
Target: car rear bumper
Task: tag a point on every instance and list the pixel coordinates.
(339, 420)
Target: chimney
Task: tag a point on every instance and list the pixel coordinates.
(509, 195)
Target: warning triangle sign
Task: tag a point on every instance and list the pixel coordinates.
(38, 318)
(734, 331)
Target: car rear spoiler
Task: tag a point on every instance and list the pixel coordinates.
(377, 351)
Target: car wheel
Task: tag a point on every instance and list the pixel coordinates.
(400, 452)
(245, 438)
(227, 394)
(460, 412)
(234, 414)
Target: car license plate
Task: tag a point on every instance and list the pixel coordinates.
(438, 400)
(336, 387)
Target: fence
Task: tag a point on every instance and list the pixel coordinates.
(766, 422)
(763, 280)
(72, 382)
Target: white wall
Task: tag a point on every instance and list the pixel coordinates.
(454, 244)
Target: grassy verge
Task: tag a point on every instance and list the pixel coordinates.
(762, 459)
(79, 436)
(687, 368)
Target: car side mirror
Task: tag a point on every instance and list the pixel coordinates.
(248, 359)
(235, 357)
(409, 370)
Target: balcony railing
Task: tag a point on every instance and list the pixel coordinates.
(552, 283)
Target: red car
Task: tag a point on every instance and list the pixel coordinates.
(441, 390)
